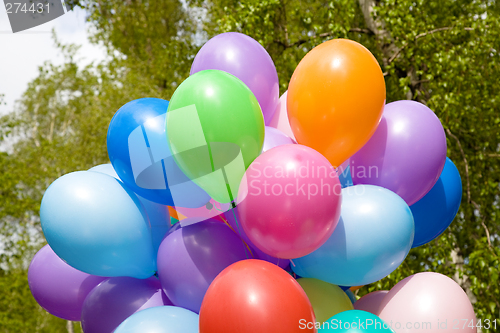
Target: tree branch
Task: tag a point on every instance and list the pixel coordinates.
(423, 35)
(465, 161)
(377, 27)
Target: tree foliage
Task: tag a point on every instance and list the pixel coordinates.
(441, 53)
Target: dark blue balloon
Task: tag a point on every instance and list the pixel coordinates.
(345, 177)
(351, 295)
(437, 209)
(139, 152)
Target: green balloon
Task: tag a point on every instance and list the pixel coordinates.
(215, 129)
(355, 321)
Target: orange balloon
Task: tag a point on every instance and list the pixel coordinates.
(253, 296)
(335, 99)
(354, 288)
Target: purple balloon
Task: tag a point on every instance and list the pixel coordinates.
(245, 58)
(234, 221)
(275, 138)
(57, 287)
(116, 299)
(406, 154)
(191, 257)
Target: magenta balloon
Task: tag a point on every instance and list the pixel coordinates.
(371, 302)
(245, 58)
(191, 257)
(233, 218)
(57, 287)
(116, 299)
(406, 154)
(275, 138)
(289, 201)
(426, 298)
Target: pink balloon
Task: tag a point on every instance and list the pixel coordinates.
(371, 302)
(289, 201)
(429, 300)
(280, 119)
(195, 215)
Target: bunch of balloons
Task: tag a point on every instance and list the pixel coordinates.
(230, 209)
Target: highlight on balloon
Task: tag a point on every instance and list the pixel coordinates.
(229, 209)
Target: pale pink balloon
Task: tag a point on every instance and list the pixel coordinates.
(371, 302)
(428, 302)
(280, 118)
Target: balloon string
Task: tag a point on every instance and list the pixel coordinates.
(292, 262)
(246, 245)
(237, 224)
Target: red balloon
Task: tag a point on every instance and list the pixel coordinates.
(255, 296)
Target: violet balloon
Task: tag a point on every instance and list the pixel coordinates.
(274, 138)
(245, 58)
(116, 299)
(57, 287)
(191, 257)
(232, 217)
(406, 154)
(371, 302)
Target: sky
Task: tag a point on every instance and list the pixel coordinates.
(22, 53)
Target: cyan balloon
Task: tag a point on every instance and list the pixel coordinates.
(138, 149)
(437, 209)
(374, 235)
(158, 215)
(160, 319)
(355, 321)
(98, 226)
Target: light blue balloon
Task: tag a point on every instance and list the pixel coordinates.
(157, 213)
(98, 226)
(160, 319)
(355, 321)
(373, 237)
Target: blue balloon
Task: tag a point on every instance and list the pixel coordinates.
(373, 237)
(345, 177)
(160, 319)
(138, 149)
(98, 226)
(158, 215)
(355, 321)
(351, 296)
(437, 209)
(344, 288)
